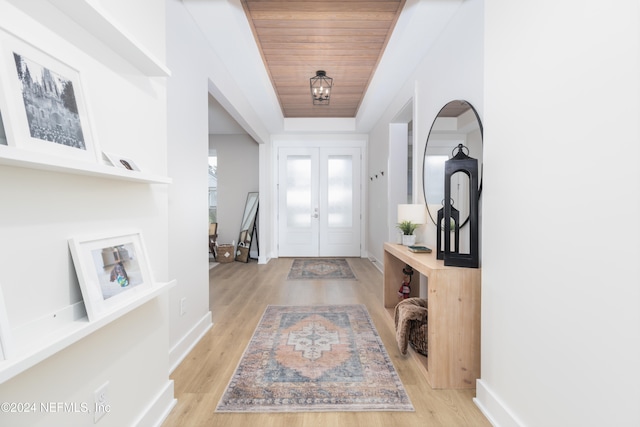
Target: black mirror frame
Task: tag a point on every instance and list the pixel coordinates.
(424, 158)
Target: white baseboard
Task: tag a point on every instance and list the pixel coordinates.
(377, 264)
(179, 351)
(158, 410)
(493, 407)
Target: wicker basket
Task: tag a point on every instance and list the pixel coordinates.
(417, 329)
(242, 254)
(418, 336)
(225, 253)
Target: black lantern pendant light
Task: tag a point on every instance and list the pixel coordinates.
(320, 88)
(461, 163)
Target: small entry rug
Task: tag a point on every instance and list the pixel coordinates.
(312, 359)
(320, 268)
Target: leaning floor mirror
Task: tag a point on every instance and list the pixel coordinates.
(248, 229)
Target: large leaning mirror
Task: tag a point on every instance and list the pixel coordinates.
(456, 123)
(247, 227)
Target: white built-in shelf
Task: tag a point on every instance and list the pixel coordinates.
(91, 16)
(55, 332)
(12, 156)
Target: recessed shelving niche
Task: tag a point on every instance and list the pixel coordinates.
(88, 27)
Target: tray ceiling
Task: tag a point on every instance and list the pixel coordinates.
(345, 38)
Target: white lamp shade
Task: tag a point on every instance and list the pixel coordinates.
(417, 214)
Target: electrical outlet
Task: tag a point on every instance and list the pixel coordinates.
(101, 402)
(183, 306)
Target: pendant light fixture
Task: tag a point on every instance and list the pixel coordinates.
(320, 88)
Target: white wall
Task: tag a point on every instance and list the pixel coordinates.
(187, 124)
(196, 73)
(237, 176)
(41, 210)
(266, 209)
(395, 175)
(560, 300)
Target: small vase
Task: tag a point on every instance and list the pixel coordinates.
(408, 240)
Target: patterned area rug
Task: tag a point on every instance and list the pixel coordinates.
(320, 268)
(315, 358)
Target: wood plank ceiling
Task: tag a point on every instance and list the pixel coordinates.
(345, 38)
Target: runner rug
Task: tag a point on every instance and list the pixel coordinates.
(315, 358)
(320, 268)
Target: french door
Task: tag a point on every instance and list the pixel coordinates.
(319, 201)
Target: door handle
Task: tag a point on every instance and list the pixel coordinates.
(315, 213)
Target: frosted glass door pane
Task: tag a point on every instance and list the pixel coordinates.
(299, 191)
(340, 191)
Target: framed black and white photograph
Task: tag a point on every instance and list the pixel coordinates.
(121, 162)
(46, 110)
(3, 135)
(3, 109)
(112, 271)
(6, 339)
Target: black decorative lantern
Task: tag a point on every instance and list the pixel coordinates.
(461, 163)
(320, 88)
(454, 222)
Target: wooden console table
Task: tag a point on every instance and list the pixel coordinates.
(453, 322)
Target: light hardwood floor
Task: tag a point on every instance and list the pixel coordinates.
(238, 296)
